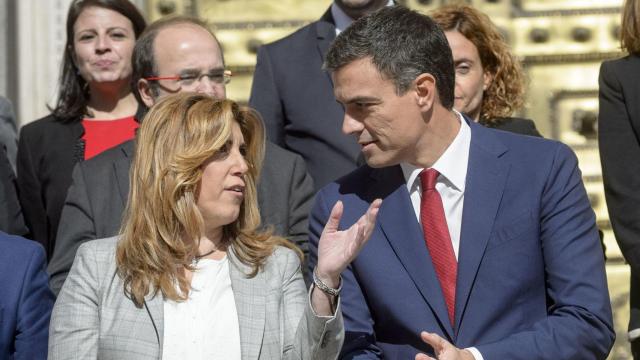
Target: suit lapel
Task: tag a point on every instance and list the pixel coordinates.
(250, 298)
(325, 34)
(403, 232)
(486, 177)
(121, 170)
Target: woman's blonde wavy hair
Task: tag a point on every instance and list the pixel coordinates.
(162, 224)
(505, 94)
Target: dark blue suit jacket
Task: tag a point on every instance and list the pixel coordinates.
(295, 98)
(531, 282)
(25, 299)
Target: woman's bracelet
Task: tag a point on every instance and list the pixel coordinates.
(326, 289)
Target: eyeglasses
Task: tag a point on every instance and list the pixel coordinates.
(217, 76)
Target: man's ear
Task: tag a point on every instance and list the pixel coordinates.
(146, 93)
(425, 88)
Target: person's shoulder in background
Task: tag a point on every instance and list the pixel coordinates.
(27, 301)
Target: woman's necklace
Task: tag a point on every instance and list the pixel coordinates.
(197, 258)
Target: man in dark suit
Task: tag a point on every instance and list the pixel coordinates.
(26, 301)
(295, 96)
(185, 56)
(486, 244)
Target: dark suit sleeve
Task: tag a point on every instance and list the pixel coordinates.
(34, 311)
(300, 202)
(10, 213)
(76, 227)
(619, 155)
(30, 189)
(359, 340)
(266, 99)
(579, 324)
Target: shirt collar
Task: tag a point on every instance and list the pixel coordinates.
(343, 20)
(448, 165)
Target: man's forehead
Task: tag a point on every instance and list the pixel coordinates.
(187, 46)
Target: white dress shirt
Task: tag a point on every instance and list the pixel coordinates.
(205, 326)
(452, 166)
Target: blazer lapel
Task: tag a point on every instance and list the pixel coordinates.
(486, 178)
(325, 34)
(403, 232)
(155, 308)
(121, 168)
(250, 298)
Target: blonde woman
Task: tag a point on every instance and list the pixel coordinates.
(190, 276)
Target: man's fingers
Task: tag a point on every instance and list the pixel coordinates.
(423, 357)
(436, 342)
(334, 218)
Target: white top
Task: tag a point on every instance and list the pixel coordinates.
(206, 325)
(452, 166)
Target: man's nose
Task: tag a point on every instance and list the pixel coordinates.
(350, 125)
(210, 87)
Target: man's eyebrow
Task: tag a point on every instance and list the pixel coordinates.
(361, 99)
(189, 71)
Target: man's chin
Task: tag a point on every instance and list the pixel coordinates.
(377, 162)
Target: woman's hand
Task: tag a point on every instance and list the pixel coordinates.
(336, 249)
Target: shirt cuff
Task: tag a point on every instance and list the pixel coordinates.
(476, 354)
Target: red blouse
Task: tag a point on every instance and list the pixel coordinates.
(100, 135)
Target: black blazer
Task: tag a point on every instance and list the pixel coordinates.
(11, 220)
(619, 142)
(516, 125)
(295, 98)
(48, 149)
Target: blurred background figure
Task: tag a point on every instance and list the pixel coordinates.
(94, 111)
(619, 143)
(191, 273)
(11, 220)
(302, 118)
(8, 133)
(26, 301)
(490, 84)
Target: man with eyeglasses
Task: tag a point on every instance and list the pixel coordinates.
(173, 55)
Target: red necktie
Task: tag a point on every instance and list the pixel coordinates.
(436, 234)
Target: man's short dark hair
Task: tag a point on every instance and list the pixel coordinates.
(402, 44)
(143, 59)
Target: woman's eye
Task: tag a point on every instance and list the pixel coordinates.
(463, 69)
(85, 37)
(243, 151)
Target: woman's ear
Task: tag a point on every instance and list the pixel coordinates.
(487, 78)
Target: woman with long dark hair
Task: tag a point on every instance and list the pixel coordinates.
(94, 111)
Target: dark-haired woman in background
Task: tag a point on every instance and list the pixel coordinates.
(489, 79)
(619, 142)
(94, 111)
